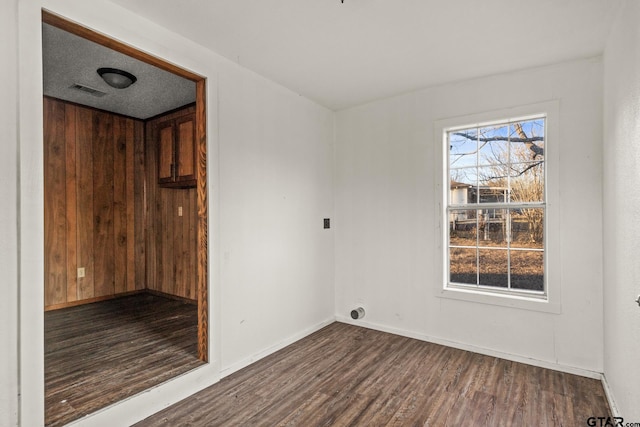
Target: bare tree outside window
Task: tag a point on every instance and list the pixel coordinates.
(496, 205)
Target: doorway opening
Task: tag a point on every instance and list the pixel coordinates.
(125, 253)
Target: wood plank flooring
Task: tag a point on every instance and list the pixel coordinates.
(97, 354)
(349, 376)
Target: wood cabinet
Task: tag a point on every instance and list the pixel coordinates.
(172, 239)
(177, 152)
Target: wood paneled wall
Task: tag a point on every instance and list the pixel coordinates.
(171, 239)
(94, 171)
(105, 212)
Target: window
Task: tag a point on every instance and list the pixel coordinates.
(496, 207)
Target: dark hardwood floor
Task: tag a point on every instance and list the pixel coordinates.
(97, 354)
(349, 376)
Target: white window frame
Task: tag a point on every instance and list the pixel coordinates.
(549, 300)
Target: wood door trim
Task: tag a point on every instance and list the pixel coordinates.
(203, 231)
(201, 165)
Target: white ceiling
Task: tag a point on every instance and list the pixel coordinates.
(344, 54)
(68, 59)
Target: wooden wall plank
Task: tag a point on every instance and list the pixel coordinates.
(169, 284)
(84, 215)
(71, 202)
(120, 204)
(140, 206)
(103, 204)
(55, 260)
(187, 247)
(129, 175)
(151, 190)
(180, 251)
(189, 262)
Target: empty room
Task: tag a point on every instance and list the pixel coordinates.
(339, 212)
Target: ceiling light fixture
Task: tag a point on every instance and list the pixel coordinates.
(117, 78)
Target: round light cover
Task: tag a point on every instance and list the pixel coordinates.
(117, 78)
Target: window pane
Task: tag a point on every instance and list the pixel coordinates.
(463, 266)
(492, 227)
(494, 268)
(459, 185)
(463, 148)
(493, 145)
(527, 228)
(463, 227)
(492, 185)
(527, 270)
(527, 182)
(465, 176)
(527, 140)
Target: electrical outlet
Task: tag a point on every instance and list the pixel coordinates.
(327, 223)
(179, 210)
(81, 272)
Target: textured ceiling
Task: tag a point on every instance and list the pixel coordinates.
(344, 54)
(69, 59)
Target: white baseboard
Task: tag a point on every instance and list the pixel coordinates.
(475, 349)
(609, 395)
(226, 371)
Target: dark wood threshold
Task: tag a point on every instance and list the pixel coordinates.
(173, 297)
(92, 300)
(120, 295)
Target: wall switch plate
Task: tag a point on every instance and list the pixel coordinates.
(327, 223)
(179, 210)
(81, 272)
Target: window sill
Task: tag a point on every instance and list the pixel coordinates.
(503, 300)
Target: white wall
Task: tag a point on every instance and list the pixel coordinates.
(276, 155)
(270, 186)
(387, 251)
(621, 207)
(8, 218)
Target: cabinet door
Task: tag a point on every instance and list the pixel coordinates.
(185, 149)
(165, 151)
